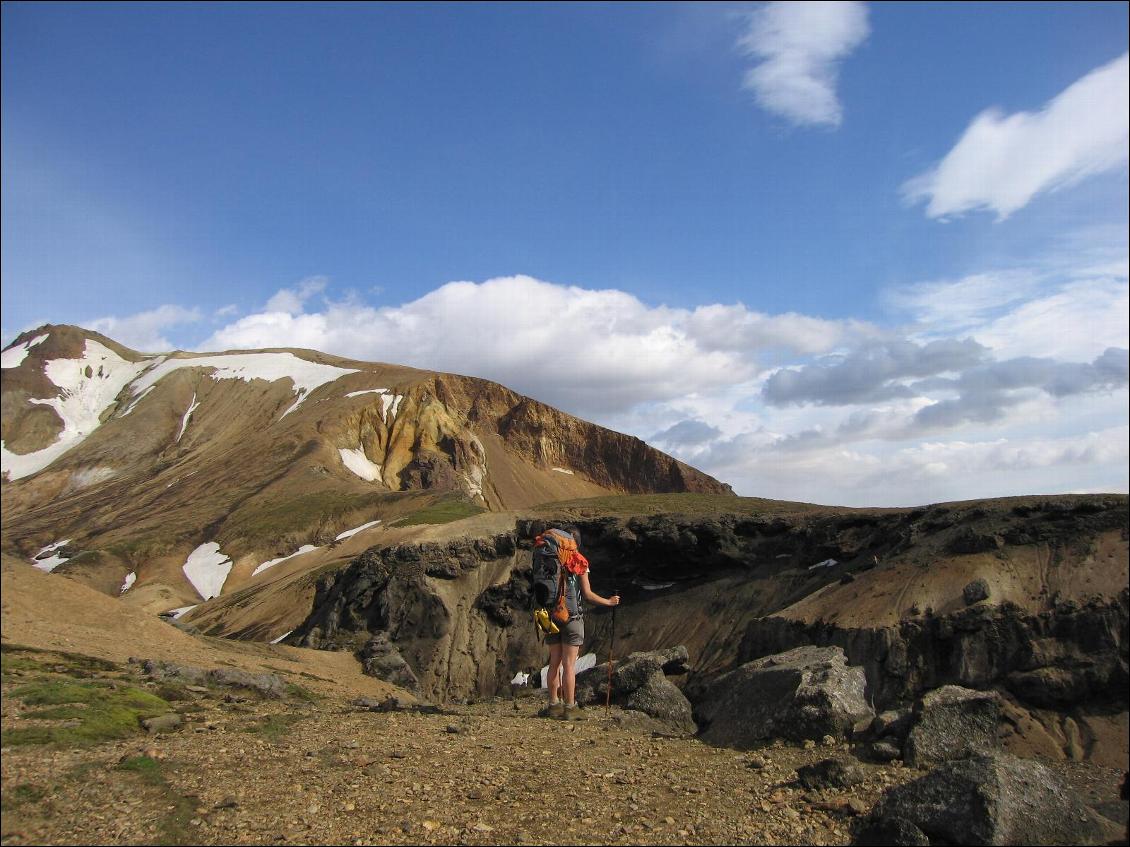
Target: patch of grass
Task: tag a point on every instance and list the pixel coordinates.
(102, 711)
(273, 518)
(17, 657)
(146, 767)
(18, 795)
(274, 727)
(303, 695)
(173, 828)
(441, 512)
(628, 505)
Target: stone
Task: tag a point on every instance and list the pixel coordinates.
(884, 751)
(802, 694)
(163, 723)
(893, 722)
(640, 684)
(993, 799)
(952, 722)
(829, 773)
(381, 658)
(976, 591)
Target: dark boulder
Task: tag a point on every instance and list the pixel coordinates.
(805, 693)
(639, 683)
(976, 591)
(381, 658)
(829, 773)
(952, 723)
(994, 799)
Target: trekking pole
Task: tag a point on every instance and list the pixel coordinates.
(611, 646)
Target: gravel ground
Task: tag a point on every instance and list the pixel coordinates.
(329, 771)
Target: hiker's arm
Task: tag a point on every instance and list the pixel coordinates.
(586, 591)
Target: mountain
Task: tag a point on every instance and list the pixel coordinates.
(173, 478)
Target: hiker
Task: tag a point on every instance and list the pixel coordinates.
(558, 563)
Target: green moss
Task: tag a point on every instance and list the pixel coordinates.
(173, 828)
(685, 504)
(272, 518)
(107, 712)
(17, 657)
(441, 512)
(148, 768)
(18, 795)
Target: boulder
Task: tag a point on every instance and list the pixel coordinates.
(829, 773)
(993, 799)
(975, 591)
(893, 722)
(804, 693)
(639, 683)
(952, 722)
(381, 658)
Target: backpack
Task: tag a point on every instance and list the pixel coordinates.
(553, 585)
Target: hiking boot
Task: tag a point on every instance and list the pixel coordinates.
(555, 710)
(573, 713)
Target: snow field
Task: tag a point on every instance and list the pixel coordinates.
(359, 463)
(207, 568)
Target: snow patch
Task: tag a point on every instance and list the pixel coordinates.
(654, 586)
(349, 533)
(270, 563)
(367, 391)
(47, 559)
(179, 612)
(391, 401)
(136, 400)
(281, 637)
(13, 357)
(520, 678)
(827, 563)
(84, 477)
(584, 663)
(128, 582)
(184, 421)
(564, 470)
(207, 568)
(359, 463)
(304, 375)
(88, 386)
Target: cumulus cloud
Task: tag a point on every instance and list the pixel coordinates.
(871, 373)
(143, 331)
(1070, 303)
(1002, 161)
(687, 433)
(799, 47)
(589, 351)
(291, 301)
(987, 391)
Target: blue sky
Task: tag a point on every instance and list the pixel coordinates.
(710, 192)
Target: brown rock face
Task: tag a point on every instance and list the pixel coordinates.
(243, 456)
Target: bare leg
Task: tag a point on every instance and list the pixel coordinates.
(553, 677)
(569, 668)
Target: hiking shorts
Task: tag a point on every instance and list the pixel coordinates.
(572, 634)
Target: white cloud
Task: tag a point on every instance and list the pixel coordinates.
(1002, 161)
(291, 301)
(800, 46)
(1072, 303)
(143, 331)
(588, 351)
(693, 381)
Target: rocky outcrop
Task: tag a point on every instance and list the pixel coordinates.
(639, 682)
(1066, 655)
(952, 723)
(994, 799)
(806, 693)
